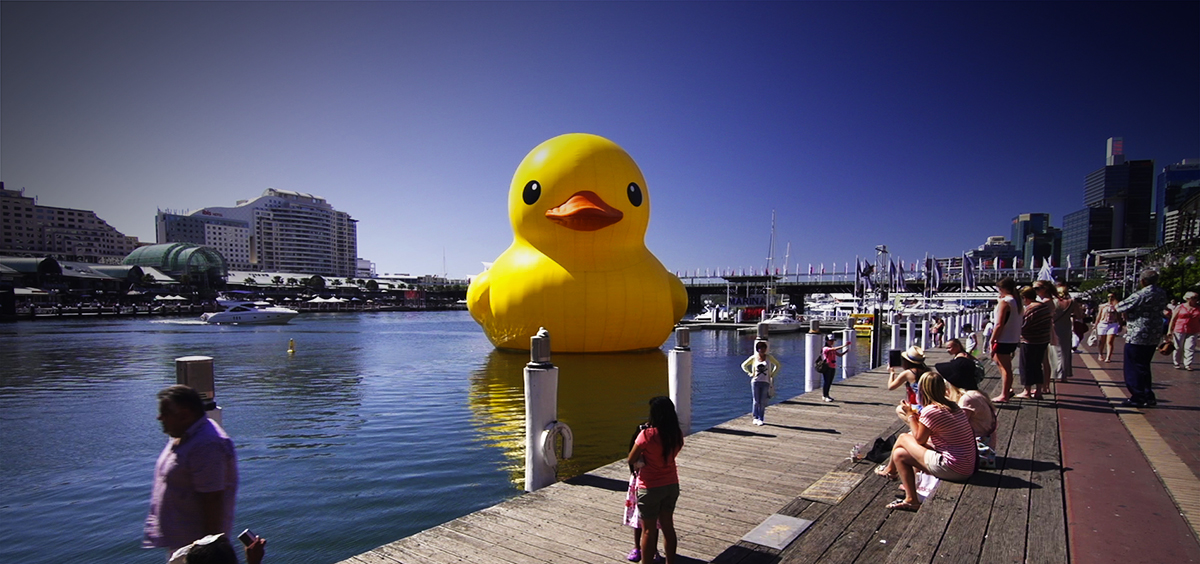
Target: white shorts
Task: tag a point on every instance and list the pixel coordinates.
(1108, 329)
(935, 467)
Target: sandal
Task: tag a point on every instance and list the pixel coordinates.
(881, 470)
(902, 505)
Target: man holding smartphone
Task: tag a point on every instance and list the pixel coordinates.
(195, 479)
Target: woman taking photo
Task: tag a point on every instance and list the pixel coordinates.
(912, 366)
(658, 479)
(831, 354)
(940, 443)
(761, 368)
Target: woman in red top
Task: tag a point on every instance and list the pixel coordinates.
(1185, 328)
(658, 480)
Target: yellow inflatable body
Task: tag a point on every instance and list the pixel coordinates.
(578, 264)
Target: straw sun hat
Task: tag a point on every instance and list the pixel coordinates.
(914, 354)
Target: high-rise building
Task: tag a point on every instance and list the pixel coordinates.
(1025, 225)
(1035, 240)
(1084, 231)
(286, 232)
(230, 237)
(1126, 189)
(32, 230)
(1171, 190)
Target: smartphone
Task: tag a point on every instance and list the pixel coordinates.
(894, 358)
(247, 537)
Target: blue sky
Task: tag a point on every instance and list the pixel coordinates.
(922, 126)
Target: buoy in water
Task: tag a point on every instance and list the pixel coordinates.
(291, 346)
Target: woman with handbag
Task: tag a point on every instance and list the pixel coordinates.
(830, 353)
(1185, 328)
(761, 367)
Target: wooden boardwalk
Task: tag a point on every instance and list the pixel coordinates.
(735, 475)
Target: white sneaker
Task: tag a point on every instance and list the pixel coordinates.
(758, 422)
(827, 399)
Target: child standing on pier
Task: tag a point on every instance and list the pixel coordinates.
(658, 480)
(632, 517)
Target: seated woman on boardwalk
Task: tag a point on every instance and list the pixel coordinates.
(658, 479)
(912, 366)
(940, 443)
(962, 386)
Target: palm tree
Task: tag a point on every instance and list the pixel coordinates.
(278, 280)
(249, 281)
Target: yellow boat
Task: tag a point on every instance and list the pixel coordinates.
(864, 323)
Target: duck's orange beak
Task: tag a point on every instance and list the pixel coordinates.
(584, 211)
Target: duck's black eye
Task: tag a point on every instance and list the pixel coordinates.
(635, 194)
(533, 191)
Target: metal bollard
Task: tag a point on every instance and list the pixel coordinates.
(196, 372)
(679, 377)
(542, 427)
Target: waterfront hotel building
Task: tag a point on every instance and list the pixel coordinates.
(30, 230)
(280, 231)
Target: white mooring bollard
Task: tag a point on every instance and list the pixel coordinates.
(679, 378)
(925, 332)
(895, 340)
(542, 427)
(850, 360)
(196, 372)
(812, 349)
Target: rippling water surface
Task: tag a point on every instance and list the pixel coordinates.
(381, 425)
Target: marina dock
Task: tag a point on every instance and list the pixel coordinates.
(734, 476)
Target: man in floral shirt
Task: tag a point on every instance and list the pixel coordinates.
(1144, 329)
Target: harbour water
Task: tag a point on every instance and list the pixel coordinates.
(381, 425)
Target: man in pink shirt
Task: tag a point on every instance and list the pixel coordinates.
(195, 479)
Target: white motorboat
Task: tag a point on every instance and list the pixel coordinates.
(250, 313)
(713, 313)
(784, 321)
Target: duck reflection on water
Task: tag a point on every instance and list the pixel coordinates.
(601, 396)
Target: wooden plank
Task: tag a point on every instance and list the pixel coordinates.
(1047, 529)
(825, 530)
(1005, 538)
(859, 533)
(920, 542)
(483, 527)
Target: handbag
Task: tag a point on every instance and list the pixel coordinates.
(821, 365)
(881, 451)
(1167, 347)
(1092, 339)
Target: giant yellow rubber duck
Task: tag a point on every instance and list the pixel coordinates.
(578, 264)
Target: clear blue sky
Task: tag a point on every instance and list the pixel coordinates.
(923, 126)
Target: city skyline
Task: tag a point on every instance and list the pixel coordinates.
(925, 127)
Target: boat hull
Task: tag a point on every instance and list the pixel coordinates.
(249, 318)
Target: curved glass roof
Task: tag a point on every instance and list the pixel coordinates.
(179, 258)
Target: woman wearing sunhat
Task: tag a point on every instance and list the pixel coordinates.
(912, 366)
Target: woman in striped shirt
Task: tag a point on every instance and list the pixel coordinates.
(940, 443)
